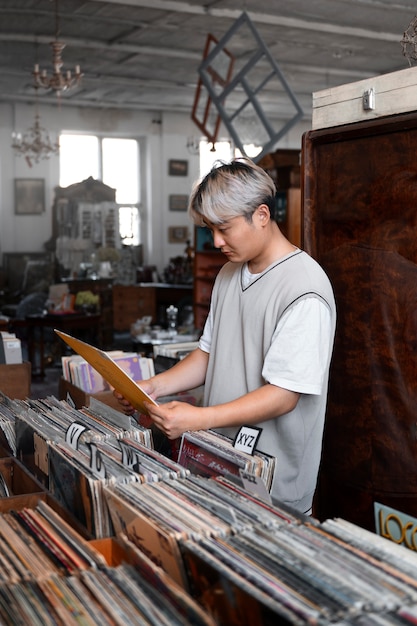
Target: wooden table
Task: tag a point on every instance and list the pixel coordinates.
(81, 325)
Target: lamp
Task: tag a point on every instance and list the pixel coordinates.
(193, 145)
(58, 81)
(35, 144)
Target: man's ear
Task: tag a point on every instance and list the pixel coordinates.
(263, 214)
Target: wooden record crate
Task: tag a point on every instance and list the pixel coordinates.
(20, 483)
(15, 380)
(26, 491)
(79, 397)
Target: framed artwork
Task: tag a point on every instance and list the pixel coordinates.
(177, 168)
(178, 234)
(178, 202)
(29, 196)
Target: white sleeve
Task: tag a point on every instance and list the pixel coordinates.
(298, 356)
(205, 340)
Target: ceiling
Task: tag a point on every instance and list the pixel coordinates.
(145, 54)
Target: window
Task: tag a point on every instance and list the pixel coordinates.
(223, 152)
(78, 159)
(115, 162)
(208, 156)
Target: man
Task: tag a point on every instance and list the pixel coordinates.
(265, 351)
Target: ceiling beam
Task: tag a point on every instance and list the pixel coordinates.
(260, 18)
(94, 44)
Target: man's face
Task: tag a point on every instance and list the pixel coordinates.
(238, 239)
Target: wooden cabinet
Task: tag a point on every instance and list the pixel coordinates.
(207, 263)
(360, 208)
(130, 303)
(294, 215)
(85, 217)
(15, 380)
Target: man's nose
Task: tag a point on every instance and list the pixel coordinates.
(218, 240)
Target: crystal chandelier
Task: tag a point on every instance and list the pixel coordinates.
(35, 144)
(58, 81)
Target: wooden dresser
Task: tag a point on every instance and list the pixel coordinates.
(132, 302)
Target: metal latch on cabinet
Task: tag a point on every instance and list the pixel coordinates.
(368, 99)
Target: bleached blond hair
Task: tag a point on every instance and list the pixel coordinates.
(231, 190)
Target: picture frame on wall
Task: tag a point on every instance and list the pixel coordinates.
(177, 167)
(178, 202)
(29, 196)
(178, 234)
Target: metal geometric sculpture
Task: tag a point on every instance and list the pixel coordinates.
(409, 41)
(237, 100)
(207, 120)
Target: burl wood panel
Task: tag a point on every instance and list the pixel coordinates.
(360, 210)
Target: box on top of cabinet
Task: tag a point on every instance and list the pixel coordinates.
(367, 99)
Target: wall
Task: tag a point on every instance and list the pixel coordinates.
(165, 138)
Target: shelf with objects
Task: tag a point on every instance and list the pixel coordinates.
(86, 237)
(284, 168)
(207, 263)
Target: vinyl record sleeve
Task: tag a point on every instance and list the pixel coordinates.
(110, 371)
(154, 538)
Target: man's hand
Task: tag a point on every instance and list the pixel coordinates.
(128, 409)
(184, 375)
(175, 418)
(147, 386)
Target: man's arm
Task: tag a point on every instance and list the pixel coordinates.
(187, 374)
(267, 402)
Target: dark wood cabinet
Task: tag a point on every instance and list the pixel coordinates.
(132, 302)
(360, 209)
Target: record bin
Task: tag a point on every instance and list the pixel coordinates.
(75, 395)
(16, 483)
(156, 541)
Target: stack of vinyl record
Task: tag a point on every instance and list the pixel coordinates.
(51, 576)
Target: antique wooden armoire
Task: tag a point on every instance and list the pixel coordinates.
(360, 222)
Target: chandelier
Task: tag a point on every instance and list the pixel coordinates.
(58, 81)
(35, 144)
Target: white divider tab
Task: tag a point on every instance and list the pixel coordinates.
(247, 438)
(96, 461)
(73, 434)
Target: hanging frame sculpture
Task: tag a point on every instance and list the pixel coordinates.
(236, 95)
(409, 42)
(204, 113)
